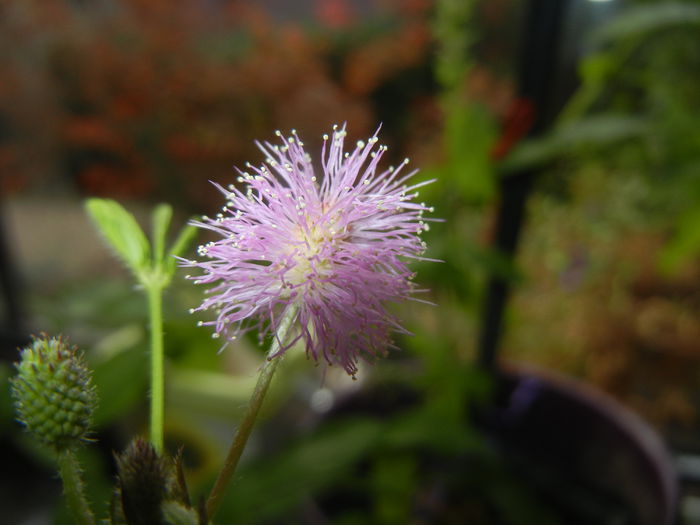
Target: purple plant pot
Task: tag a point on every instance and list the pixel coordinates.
(587, 455)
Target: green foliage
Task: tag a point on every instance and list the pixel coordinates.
(636, 112)
(180, 245)
(393, 479)
(151, 264)
(465, 176)
(122, 233)
(162, 214)
(599, 131)
(455, 36)
(685, 243)
(643, 19)
(469, 130)
(273, 487)
(469, 134)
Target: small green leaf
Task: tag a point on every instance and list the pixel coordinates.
(178, 248)
(122, 232)
(161, 222)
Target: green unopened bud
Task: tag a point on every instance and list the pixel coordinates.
(53, 392)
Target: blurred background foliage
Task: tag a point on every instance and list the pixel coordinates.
(147, 101)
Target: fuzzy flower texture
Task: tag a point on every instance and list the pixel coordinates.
(330, 247)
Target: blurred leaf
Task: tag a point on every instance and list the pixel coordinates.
(596, 68)
(469, 134)
(122, 232)
(393, 481)
(121, 381)
(599, 130)
(123, 338)
(647, 18)
(424, 429)
(496, 262)
(179, 247)
(89, 307)
(209, 393)
(449, 384)
(270, 488)
(161, 218)
(685, 244)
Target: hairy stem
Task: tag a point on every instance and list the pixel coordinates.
(69, 469)
(155, 311)
(246, 426)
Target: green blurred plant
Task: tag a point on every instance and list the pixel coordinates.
(636, 111)
(55, 398)
(469, 130)
(153, 268)
(465, 171)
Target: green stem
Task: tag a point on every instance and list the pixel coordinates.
(155, 310)
(69, 469)
(246, 426)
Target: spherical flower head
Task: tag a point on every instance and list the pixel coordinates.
(329, 244)
(53, 392)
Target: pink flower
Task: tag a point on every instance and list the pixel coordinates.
(331, 247)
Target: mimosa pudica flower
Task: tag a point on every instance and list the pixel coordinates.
(331, 242)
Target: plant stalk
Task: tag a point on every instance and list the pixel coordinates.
(246, 426)
(155, 311)
(69, 469)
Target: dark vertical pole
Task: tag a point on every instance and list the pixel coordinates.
(536, 75)
(11, 331)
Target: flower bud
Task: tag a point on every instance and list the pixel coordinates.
(144, 478)
(53, 392)
(151, 489)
